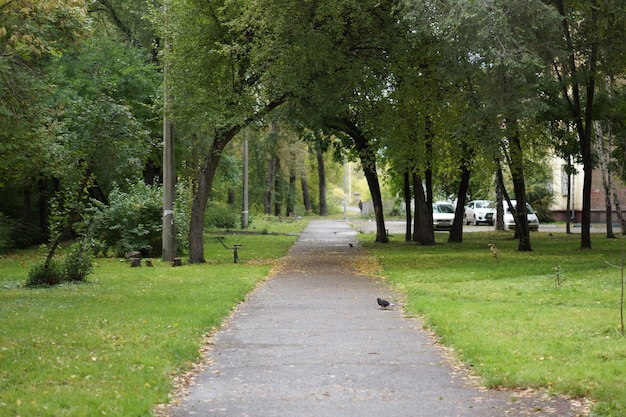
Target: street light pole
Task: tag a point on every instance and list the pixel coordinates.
(244, 211)
(169, 162)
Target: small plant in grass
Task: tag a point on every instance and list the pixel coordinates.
(558, 277)
(45, 273)
(77, 264)
(74, 267)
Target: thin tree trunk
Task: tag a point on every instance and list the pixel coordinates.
(499, 198)
(306, 197)
(278, 189)
(603, 162)
(269, 187)
(291, 195)
(582, 118)
(321, 172)
(568, 209)
(407, 204)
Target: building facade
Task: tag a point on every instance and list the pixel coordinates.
(598, 200)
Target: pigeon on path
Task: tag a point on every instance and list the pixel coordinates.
(383, 303)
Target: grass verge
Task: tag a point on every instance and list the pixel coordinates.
(113, 345)
(507, 320)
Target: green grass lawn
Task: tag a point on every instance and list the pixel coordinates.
(507, 320)
(111, 346)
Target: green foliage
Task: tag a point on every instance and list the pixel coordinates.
(41, 274)
(221, 216)
(27, 235)
(74, 266)
(557, 276)
(32, 33)
(77, 263)
(132, 220)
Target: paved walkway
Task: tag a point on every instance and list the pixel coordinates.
(312, 341)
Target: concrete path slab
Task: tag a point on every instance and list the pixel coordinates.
(312, 341)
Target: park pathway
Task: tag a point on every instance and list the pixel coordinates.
(312, 341)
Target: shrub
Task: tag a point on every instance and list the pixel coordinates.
(131, 221)
(77, 264)
(74, 267)
(221, 216)
(40, 275)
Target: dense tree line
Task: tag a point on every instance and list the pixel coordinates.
(436, 92)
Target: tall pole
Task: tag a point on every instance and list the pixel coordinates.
(169, 162)
(244, 210)
(345, 188)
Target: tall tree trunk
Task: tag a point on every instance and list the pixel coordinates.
(368, 163)
(291, 195)
(278, 189)
(428, 173)
(568, 209)
(603, 161)
(201, 197)
(582, 115)
(367, 156)
(407, 204)
(517, 175)
(423, 232)
(306, 197)
(321, 172)
(230, 199)
(500, 190)
(456, 233)
(269, 187)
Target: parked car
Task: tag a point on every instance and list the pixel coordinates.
(509, 222)
(480, 211)
(443, 215)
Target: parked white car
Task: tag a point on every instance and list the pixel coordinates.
(509, 222)
(480, 211)
(443, 215)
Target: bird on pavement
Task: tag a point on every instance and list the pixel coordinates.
(383, 303)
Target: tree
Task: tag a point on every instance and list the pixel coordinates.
(505, 52)
(592, 44)
(220, 86)
(32, 34)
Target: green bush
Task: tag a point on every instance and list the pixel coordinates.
(74, 267)
(132, 221)
(77, 264)
(221, 216)
(40, 275)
